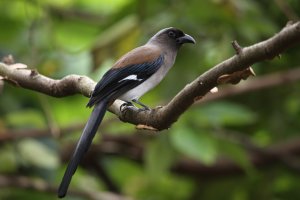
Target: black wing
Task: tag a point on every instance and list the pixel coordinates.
(114, 81)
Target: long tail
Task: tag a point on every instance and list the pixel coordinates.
(83, 144)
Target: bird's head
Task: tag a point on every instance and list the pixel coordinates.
(171, 37)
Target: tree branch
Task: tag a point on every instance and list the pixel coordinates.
(287, 10)
(11, 135)
(19, 75)
(260, 159)
(163, 117)
(132, 147)
(284, 153)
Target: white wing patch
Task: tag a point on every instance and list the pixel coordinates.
(131, 77)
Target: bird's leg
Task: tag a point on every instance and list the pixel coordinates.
(141, 104)
(124, 105)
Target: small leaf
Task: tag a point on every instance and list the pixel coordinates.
(195, 145)
(159, 156)
(26, 118)
(73, 36)
(37, 154)
(130, 171)
(225, 113)
(8, 159)
(64, 112)
(238, 154)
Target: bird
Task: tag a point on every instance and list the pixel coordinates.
(133, 75)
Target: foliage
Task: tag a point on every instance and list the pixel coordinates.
(60, 37)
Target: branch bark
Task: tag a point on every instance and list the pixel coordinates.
(21, 76)
(163, 117)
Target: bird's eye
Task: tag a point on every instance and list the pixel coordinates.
(171, 34)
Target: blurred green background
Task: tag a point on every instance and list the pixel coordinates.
(241, 147)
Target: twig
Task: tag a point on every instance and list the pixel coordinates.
(132, 147)
(42, 186)
(260, 158)
(287, 10)
(10, 135)
(238, 49)
(76, 14)
(6, 136)
(255, 84)
(286, 158)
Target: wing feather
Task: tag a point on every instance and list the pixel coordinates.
(114, 80)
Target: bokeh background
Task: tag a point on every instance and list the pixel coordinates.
(239, 147)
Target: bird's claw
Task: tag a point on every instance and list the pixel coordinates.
(144, 107)
(125, 105)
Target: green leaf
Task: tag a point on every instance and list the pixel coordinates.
(225, 113)
(74, 36)
(26, 118)
(196, 145)
(37, 154)
(70, 109)
(117, 128)
(236, 153)
(158, 156)
(162, 188)
(102, 6)
(125, 177)
(262, 137)
(8, 159)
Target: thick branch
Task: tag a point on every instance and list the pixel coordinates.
(160, 118)
(20, 75)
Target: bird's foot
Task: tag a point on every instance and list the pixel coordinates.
(125, 105)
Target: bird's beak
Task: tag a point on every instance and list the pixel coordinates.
(186, 39)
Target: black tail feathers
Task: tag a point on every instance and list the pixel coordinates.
(83, 145)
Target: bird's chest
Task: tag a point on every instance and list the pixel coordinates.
(169, 59)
